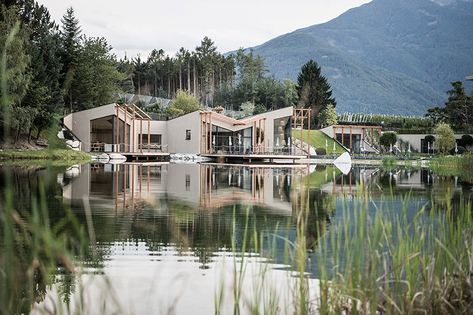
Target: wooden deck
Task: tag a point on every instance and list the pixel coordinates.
(227, 157)
(146, 156)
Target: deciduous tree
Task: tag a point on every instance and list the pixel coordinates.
(445, 137)
(328, 116)
(184, 103)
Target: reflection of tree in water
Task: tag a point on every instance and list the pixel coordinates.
(42, 237)
(450, 194)
(317, 207)
(321, 210)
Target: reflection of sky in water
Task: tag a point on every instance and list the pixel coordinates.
(162, 230)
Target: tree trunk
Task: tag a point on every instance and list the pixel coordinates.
(155, 84)
(39, 131)
(188, 76)
(180, 76)
(195, 81)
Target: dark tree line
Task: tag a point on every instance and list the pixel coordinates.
(211, 77)
(200, 72)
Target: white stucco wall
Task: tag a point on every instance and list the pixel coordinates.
(415, 139)
(79, 122)
(176, 131)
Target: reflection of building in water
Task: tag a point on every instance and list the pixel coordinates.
(378, 181)
(207, 185)
(348, 184)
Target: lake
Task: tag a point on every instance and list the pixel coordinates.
(168, 238)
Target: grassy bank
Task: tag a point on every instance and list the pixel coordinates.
(57, 155)
(317, 139)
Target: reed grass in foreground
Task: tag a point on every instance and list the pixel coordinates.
(36, 253)
(386, 262)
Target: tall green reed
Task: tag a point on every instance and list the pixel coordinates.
(392, 259)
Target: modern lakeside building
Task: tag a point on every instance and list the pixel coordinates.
(274, 135)
(128, 130)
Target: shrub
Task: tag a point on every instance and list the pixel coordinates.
(247, 108)
(184, 103)
(388, 139)
(328, 116)
(445, 137)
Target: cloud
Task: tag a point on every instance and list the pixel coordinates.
(138, 26)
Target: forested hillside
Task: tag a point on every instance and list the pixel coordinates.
(388, 56)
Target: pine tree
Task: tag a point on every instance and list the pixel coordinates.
(459, 106)
(313, 89)
(70, 38)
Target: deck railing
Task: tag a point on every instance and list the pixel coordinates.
(241, 150)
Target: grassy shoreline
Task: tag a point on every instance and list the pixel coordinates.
(461, 166)
(56, 155)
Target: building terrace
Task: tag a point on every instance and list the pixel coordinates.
(128, 130)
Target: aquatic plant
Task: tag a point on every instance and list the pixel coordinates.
(390, 262)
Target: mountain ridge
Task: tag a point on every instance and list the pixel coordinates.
(393, 57)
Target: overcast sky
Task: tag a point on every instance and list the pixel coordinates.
(137, 26)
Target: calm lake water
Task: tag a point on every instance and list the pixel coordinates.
(166, 237)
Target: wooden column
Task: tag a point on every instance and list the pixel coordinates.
(302, 127)
(253, 140)
(134, 132)
(265, 140)
(343, 142)
(206, 143)
(125, 130)
(149, 134)
(117, 131)
(308, 127)
(351, 141)
(210, 131)
(200, 132)
(259, 135)
(140, 139)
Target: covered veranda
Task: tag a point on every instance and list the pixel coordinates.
(127, 131)
(260, 135)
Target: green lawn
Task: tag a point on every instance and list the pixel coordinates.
(316, 138)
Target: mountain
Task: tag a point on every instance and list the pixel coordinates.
(387, 56)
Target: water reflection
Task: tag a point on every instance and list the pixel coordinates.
(159, 222)
(209, 187)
